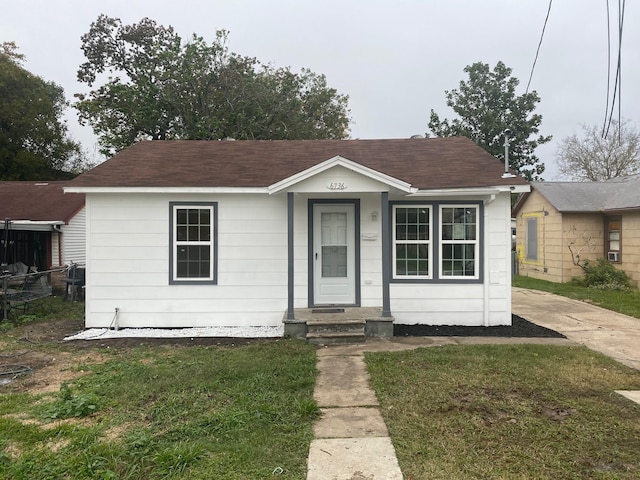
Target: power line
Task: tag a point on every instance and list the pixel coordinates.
(606, 108)
(617, 88)
(539, 45)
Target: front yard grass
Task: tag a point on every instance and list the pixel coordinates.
(152, 412)
(627, 303)
(509, 412)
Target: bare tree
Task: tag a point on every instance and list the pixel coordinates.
(596, 158)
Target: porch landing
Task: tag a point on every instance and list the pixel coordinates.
(337, 325)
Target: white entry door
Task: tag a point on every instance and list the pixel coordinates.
(334, 254)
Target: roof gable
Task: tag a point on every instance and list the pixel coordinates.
(433, 163)
(339, 161)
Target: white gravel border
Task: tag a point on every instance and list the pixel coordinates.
(227, 332)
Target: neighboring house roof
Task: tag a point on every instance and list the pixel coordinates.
(433, 163)
(38, 201)
(616, 194)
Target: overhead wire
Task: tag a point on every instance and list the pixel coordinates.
(535, 60)
(606, 108)
(617, 87)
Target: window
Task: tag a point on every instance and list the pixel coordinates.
(459, 241)
(412, 241)
(613, 237)
(193, 242)
(532, 238)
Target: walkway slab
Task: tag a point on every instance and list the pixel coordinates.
(343, 381)
(353, 459)
(350, 422)
(633, 395)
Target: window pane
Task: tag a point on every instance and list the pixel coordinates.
(193, 261)
(412, 241)
(205, 216)
(334, 261)
(181, 216)
(412, 259)
(194, 216)
(458, 260)
(181, 233)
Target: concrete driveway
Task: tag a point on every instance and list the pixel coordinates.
(610, 333)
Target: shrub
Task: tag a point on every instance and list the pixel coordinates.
(604, 276)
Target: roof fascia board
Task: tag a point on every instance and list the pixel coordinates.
(342, 162)
(33, 225)
(444, 192)
(243, 190)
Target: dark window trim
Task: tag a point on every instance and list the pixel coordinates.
(436, 242)
(214, 266)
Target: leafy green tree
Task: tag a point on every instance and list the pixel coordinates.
(595, 157)
(34, 138)
(152, 85)
(486, 105)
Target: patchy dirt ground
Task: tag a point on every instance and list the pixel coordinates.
(48, 360)
(52, 361)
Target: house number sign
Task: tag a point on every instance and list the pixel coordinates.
(337, 186)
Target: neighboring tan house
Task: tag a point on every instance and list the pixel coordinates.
(249, 233)
(40, 225)
(562, 224)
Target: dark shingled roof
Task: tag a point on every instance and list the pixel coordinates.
(453, 162)
(38, 201)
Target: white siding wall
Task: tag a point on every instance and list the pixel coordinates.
(128, 254)
(466, 304)
(128, 258)
(74, 240)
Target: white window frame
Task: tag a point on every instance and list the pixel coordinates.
(428, 242)
(175, 243)
(442, 242)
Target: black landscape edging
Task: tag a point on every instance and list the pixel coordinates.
(519, 328)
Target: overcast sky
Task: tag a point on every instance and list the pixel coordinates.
(394, 59)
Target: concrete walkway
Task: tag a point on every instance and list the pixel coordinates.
(607, 332)
(351, 439)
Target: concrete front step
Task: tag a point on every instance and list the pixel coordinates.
(355, 323)
(336, 338)
(336, 326)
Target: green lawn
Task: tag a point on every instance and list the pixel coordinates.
(509, 412)
(153, 412)
(618, 301)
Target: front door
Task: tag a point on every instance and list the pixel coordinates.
(334, 263)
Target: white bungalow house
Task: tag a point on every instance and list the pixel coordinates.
(253, 233)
